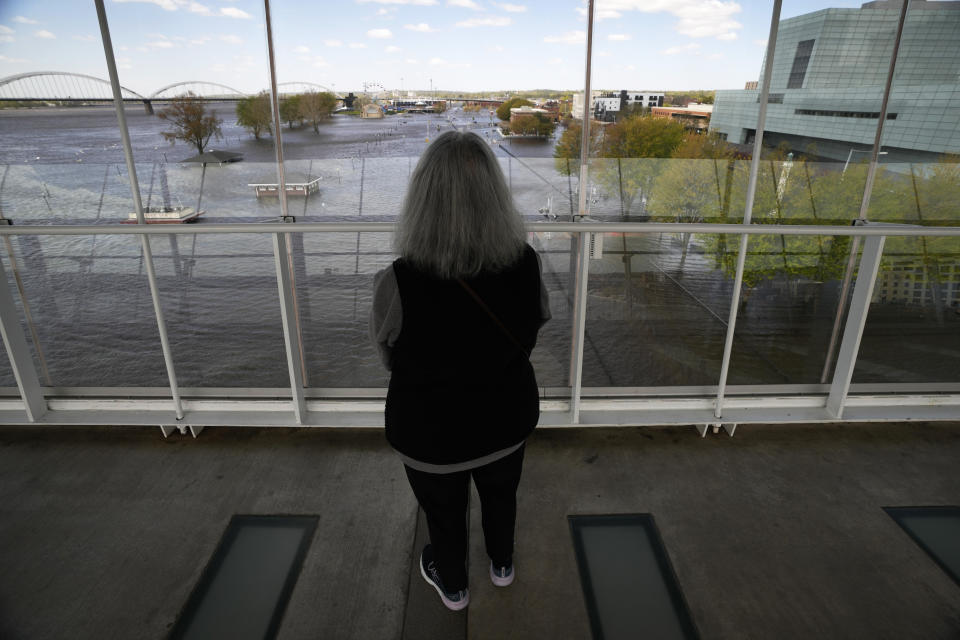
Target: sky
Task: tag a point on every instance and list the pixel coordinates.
(408, 45)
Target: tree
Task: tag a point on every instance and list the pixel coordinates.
(641, 145)
(315, 107)
(191, 123)
(503, 111)
(290, 110)
(254, 114)
(533, 125)
(567, 151)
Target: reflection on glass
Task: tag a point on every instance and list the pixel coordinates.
(790, 291)
(91, 309)
(913, 327)
(220, 299)
(657, 308)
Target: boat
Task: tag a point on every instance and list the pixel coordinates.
(165, 215)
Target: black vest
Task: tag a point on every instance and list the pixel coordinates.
(460, 388)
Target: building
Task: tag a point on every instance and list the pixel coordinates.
(523, 112)
(605, 105)
(694, 116)
(828, 78)
(371, 111)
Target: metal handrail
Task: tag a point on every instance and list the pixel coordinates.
(870, 229)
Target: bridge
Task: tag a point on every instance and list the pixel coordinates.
(64, 86)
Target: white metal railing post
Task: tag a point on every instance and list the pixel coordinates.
(748, 208)
(291, 337)
(579, 324)
(138, 206)
(856, 321)
(19, 353)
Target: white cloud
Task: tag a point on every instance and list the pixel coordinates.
(203, 10)
(124, 63)
(715, 56)
(379, 33)
(422, 27)
(486, 22)
(123, 48)
(159, 44)
(6, 38)
(555, 61)
(167, 5)
(730, 35)
(437, 61)
(393, 49)
(320, 62)
(411, 61)
(333, 43)
(630, 67)
(43, 33)
(383, 12)
(23, 20)
(495, 49)
(467, 4)
(6, 59)
(603, 54)
(695, 18)
(512, 8)
(685, 48)
(5, 29)
(232, 39)
(301, 49)
(571, 37)
(762, 42)
(357, 45)
(87, 38)
(618, 36)
(414, 2)
(199, 41)
(232, 12)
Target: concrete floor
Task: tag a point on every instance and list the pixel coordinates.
(775, 533)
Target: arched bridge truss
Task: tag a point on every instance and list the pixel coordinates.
(64, 86)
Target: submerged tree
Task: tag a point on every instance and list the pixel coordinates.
(191, 122)
(254, 114)
(290, 111)
(315, 107)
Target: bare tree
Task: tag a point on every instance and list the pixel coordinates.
(188, 116)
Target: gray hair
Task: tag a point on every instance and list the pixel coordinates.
(458, 217)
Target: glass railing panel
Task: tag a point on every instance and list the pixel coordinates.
(791, 287)
(220, 298)
(551, 358)
(657, 309)
(334, 277)
(91, 315)
(711, 190)
(542, 188)
(78, 193)
(916, 193)
(912, 332)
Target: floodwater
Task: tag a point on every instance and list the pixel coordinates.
(657, 308)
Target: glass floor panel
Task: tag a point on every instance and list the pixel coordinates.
(244, 589)
(936, 530)
(628, 582)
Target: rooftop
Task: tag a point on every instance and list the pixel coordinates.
(777, 532)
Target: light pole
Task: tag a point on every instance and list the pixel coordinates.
(852, 151)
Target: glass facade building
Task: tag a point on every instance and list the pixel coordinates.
(829, 72)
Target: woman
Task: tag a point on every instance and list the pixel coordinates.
(455, 318)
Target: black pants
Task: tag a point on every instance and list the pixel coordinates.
(443, 498)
